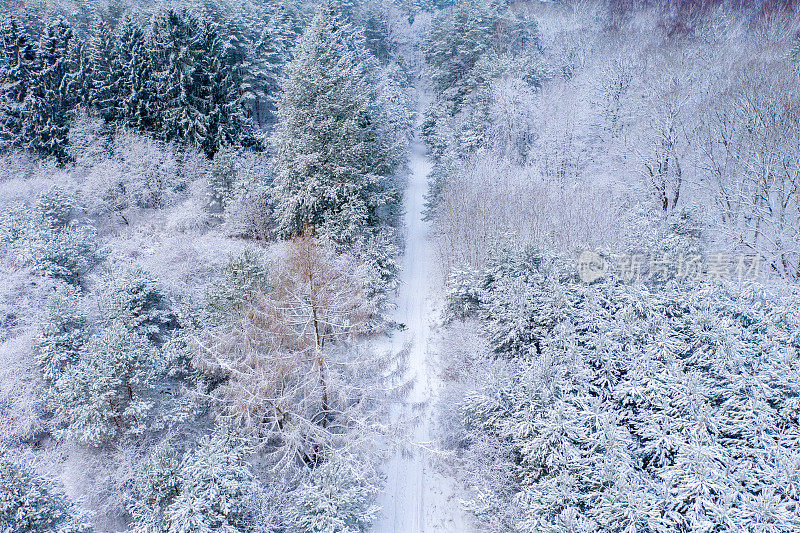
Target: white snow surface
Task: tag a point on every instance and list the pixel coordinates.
(417, 497)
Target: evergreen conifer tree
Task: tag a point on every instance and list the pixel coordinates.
(17, 63)
(106, 72)
(335, 154)
(49, 104)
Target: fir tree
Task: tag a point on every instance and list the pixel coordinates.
(272, 51)
(135, 299)
(176, 43)
(17, 66)
(222, 62)
(335, 155)
(216, 488)
(49, 105)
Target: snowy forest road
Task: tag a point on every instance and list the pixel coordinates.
(417, 498)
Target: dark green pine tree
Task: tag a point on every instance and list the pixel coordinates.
(220, 72)
(375, 20)
(105, 91)
(334, 150)
(17, 63)
(49, 105)
(179, 83)
(242, 30)
(273, 49)
(79, 84)
(457, 39)
(136, 59)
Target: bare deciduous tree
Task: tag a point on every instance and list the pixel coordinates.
(279, 358)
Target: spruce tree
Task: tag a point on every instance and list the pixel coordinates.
(273, 50)
(137, 101)
(221, 63)
(63, 332)
(178, 82)
(196, 82)
(335, 154)
(106, 73)
(17, 62)
(48, 107)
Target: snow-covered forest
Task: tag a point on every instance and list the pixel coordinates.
(400, 265)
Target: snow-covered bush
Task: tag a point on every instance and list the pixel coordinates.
(45, 239)
(30, 503)
(64, 330)
(89, 139)
(248, 207)
(338, 497)
(56, 207)
(63, 253)
(135, 299)
(378, 252)
(249, 214)
(210, 489)
(222, 178)
(242, 277)
(142, 173)
(106, 392)
(463, 293)
(156, 486)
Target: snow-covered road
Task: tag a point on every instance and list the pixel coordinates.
(417, 498)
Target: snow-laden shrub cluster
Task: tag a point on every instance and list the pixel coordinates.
(210, 488)
(238, 192)
(242, 277)
(629, 407)
(137, 172)
(31, 503)
(102, 374)
(48, 239)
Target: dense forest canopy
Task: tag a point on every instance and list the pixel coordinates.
(211, 219)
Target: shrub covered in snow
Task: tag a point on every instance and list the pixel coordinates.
(210, 489)
(29, 503)
(47, 239)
